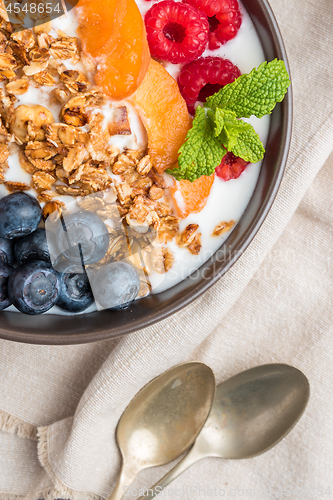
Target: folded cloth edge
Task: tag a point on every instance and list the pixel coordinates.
(14, 425)
(60, 490)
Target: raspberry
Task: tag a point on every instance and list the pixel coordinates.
(231, 167)
(176, 32)
(224, 19)
(204, 77)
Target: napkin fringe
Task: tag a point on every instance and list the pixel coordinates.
(60, 490)
(16, 426)
(9, 496)
(54, 493)
(49, 494)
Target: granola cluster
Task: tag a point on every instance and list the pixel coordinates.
(73, 157)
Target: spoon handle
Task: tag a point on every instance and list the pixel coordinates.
(125, 479)
(191, 458)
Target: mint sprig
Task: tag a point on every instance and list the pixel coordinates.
(217, 126)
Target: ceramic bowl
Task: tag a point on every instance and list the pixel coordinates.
(52, 329)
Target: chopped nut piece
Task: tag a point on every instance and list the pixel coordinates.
(168, 228)
(61, 134)
(123, 165)
(162, 210)
(42, 181)
(73, 114)
(187, 236)
(162, 260)
(36, 114)
(157, 179)
(120, 124)
(44, 78)
(7, 61)
(156, 193)
(195, 246)
(74, 80)
(18, 87)
(136, 154)
(223, 227)
(143, 212)
(16, 186)
(144, 166)
(141, 186)
(61, 95)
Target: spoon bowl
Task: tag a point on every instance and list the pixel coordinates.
(163, 420)
(251, 413)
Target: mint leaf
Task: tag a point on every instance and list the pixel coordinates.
(241, 139)
(231, 131)
(247, 145)
(218, 118)
(202, 151)
(255, 93)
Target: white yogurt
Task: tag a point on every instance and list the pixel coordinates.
(227, 200)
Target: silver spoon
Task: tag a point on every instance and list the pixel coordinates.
(163, 420)
(252, 412)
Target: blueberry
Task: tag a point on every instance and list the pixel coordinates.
(82, 237)
(32, 247)
(34, 287)
(116, 285)
(20, 214)
(75, 292)
(5, 272)
(6, 251)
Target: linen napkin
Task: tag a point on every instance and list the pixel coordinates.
(59, 406)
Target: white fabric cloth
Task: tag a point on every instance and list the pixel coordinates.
(274, 305)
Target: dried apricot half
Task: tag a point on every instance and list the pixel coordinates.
(114, 41)
(164, 114)
(191, 197)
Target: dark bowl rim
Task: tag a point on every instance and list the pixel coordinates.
(202, 286)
